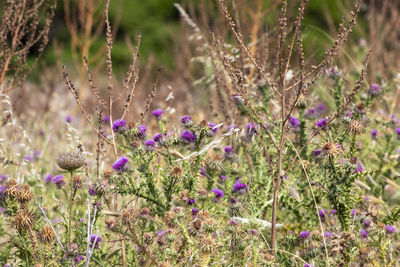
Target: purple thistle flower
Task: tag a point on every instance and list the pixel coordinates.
(203, 171)
(191, 201)
(398, 133)
(333, 211)
(149, 144)
(374, 90)
(157, 137)
(195, 211)
(47, 178)
(321, 214)
(120, 164)
(2, 189)
(390, 229)
(142, 130)
(186, 120)
(59, 181)
(119, 126)
(252, 129)
(223, 178)
(106, 119)
(294, 123)
(327, 235)
(359, 168)
(218, 193)
(311, 113)
(374, 133)
(78, 259)
(322, 123)
(28, 158)
(96, 240)
(363, 234)
(188, 137)
(3, 178)
(92, 191)
(316, 153)
(213, 128)
(239, 187)
(321, 108)
(228, 150)
(304, 235)
(157, 113)
(230, 127)
(68, 119)
(366, 224)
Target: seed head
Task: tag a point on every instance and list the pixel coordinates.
(46, 234)
(70, 160)
(23, 193)
(330, 149)
(355, 127)
(23, 220)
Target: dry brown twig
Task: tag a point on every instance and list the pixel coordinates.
(19, 34)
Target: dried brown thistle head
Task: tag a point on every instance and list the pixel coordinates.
(23, 220)
(355, 127)
(47, 234)
(23, 193)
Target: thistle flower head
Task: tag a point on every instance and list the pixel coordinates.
(322, 123)
(294, 123)
(304, 235)
(228, 150)
(223, 178)
(218, 193)
(158, 137)
(364, 234)
(188, 136)
(239, 187)
(366, 224)
(23, 220)
(389, 229)
(149, 144)
(157, 113)
(327, 235)
(252, 129)
(47, 234)
(195, 211)
(59, 181)
(68, 118)
(120, 164)
(374, 133)
(142, 130)
(355, 127)
(330, 149)
(96, 240)
(374, 90)
(119, 126)
(70, 160)
(186, 120)
(24, 193)
(191, 201)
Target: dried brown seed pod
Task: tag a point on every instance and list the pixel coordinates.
(23, 220)
(330, 149)
(23, 193)
(78, 181)
(177, 171)
(128, 216)
(70, 160)
(355, 127)
(207, 244)
(47, 234)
